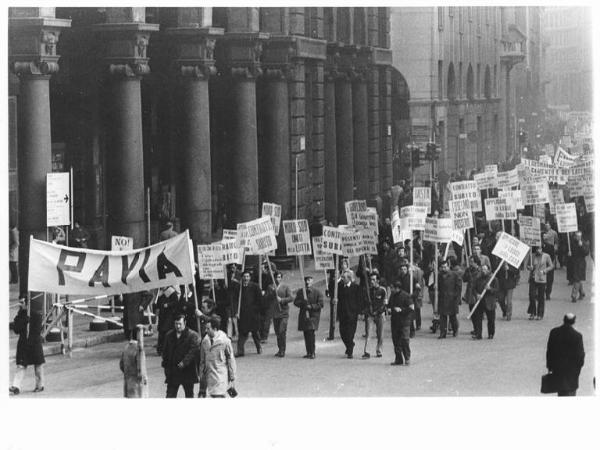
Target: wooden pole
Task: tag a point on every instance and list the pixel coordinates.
(271, 271)
(474, 223)
(446, 251)
(469, 249)
(241, 282)
(411, 263)
(141, 363)
(486, 287)
(70, 331)
(148, 215)
(569, 243)
(195, 300)
(301, 264)
(435, 280)
(260, 272)
(72, 202)
(296, 185)
(335, 298)
(503, 229)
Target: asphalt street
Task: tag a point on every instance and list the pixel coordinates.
(509, 365)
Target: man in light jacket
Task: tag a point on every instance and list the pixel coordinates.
(542, 264)
(217, 363)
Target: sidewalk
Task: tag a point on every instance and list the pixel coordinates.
(83, 337)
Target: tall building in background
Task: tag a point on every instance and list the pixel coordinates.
(568, 62)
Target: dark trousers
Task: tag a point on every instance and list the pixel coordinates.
(223, 313)
(566, 393)
(401, 340)
(347, 332)
(549, 283)
(309, 341)
(415, 324)
(14, 271)
(172, 389)
(242, 341)
(332, 312)
(265, 326)
(478, 320)
(472, 315)
(280, 326)
(537, 298)
(444, 324)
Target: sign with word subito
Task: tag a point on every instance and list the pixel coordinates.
(566, 217)
(297, 237)
(58, 199)
(535, 193)
(274, 211)
(500, 209)
(510, 249)
(467, 189)
(332, 240)
(352, 208)
(530, 230)
(323, 261)
(210, 261)
(121, 243)
(422, 197)
(437, 230)
(460, 214)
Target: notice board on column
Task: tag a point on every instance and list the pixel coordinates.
(566, 218)
(58, 199)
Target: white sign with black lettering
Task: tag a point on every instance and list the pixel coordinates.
(556, 197)
(437, 230)
(458, 236)
(500, 209)
(323, 261)
(400, 230)
(516, 195)
(535, 193)
(121, 243)
(297, 237)
(486, 180)
(415, 216)
(210, 262)
(588, 198)
(510, 249)
(352, 208)
(566, 218)
(530, 231)
(274, 211)
(232, 254)
(332, 240)
(369, 242)
(422, 197)
(58, 199)
(461, 214)
(261, 235)
(467, 189)
(491, 168)
(508, 179)
(351, 242)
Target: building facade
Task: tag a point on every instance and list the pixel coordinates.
(206, 112)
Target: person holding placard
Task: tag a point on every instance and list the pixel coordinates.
(378, 296)
(401, 307)
(487, 304)
(579, 250)
(279, 297)
(449, 292)
(309, 315)
(541, 264)
(248, 313)
(471, 274)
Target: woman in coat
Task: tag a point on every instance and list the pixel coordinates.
(29, 348)
(309, 315)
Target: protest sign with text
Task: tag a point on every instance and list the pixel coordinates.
(58, 199)
(566, 218)
(535, 193)
(500, 209)
(415, 216)
(530, 231)
(422, 197)
(274, 211)
(492, 168)
(352, 208)
(437, 230)
(562, 158)
(231, 253)
(486, 180)
(121, 243)
(510, 249)
(461, 214)
(467, 189)
(556, 197)
(552, 174)
(323, 261)
(210, 261)
(400, 230)
(261, 235)
(508, 179)
(332, 240)
(515, 194)
(351, 242)
(297, 237)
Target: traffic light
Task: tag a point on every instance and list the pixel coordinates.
(415, 155)
(433, 151)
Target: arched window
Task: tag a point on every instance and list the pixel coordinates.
(451, 83)
(487, 83)
(470, 83)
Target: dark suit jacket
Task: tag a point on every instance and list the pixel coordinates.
(565, 356)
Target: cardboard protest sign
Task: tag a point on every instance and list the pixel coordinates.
(415, 216)
(297, 237)
(121, 243)
(583, 168)
(551, 173)
(516, 195)
(332, 240)
(566, 218)
(365, 220)
(562, 158)
(467, 189)
(80, 271)
(545, 159)
(437, 230)
(588, 198)
(369, 242)
(352, 208)
(261, 235)
(242, 239)
(458, 236)
(539, 211)
(577, 186)
(58, 199)
(510, 249)
(323, 261)
(500, 209)
(493, 168)
(351, 242)
(535, 193)
(461, 214)
(229, 234)
(210, 262)
(400, 230)
(274, 211)
(486, 180)
(231, 253)
(422, 197)
(530, 230)
(508, 179)
(556, 197)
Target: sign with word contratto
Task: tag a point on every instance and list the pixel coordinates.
(58, 199)
(510, 249)
(297, 237)
(566, 217)
(121, 243)
(323, 261)
(438, 230)
(332, 240)
(460, 214)
(422, 197)
(272, 210)
(500, 209)
(467, 189)
(530, 230)
(261, 235)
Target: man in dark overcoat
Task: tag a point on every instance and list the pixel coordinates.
(579, 250)
(309, 315)
(348, 308)
(449, 292)
(401, 306)
(248, 313)
(487, 305)
(180, 358)
(565, 355)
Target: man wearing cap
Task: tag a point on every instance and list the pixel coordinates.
(565, 356)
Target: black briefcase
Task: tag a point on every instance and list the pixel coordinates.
(549, 384)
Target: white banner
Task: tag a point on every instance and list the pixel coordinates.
(332, 240)
(323, 261)
(121, 243)
(566, 218)
(422, 197)
(577, 186)
(551, 173)
(562, 158)
(297, 237)
(486, 180)
(467, 189)
(556, 197)
(75, 271)
(58, 199)
(210, 261)
(272, 210)
(353, 207)
(508, 179)
(530, 230)
(458, 236)
(415, 216)
(437, 230)
(516, 196)
(510, 249)
(460, 214)
(500, 209)
(535, 194)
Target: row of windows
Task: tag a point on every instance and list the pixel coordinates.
(476, 85)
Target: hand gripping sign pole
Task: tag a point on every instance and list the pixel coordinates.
(237, 316)
(480, 296)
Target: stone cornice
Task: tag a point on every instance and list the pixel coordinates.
(194, 48)
(241, 53)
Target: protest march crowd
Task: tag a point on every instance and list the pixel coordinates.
(498, 228)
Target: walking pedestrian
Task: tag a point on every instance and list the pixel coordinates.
(471, 274)
(348, 308)
(541, 264)
(449, 293)
(180, 358)
(401, 307)
(133, 366)
(565, 356)
(217, 363)
(166, 308)
(13, 254)
(487, 304)
(508, 278)
(579, 250)
(378, 296)
(279, 297)
(309, 315)
(249, 313)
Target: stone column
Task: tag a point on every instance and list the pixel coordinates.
(375, 152)
(241, 61)
(360, 128)
(126, 62)
(344, 143)
(194, 63)
(33, 35)
(331, 189)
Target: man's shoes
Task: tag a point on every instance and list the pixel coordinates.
(418, 327)
(412, 334)
(396, 363)
(491, 336)
(531, 317)
(442, 336)
(306, 356)
(407, 362)
(538, 318)
(574, 300)
(258, 350)
(14, 390)
(582, 296)
(263, 341)
(547, 297)
(239, 355)
(366, 355)
(349, 356)
(473, 333)
(279, 355)
(311, 356)
(378, 355)
(39, 389)
(329, 338)
(476, 337)
(454, 333)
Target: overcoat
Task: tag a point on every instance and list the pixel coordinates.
(310, 309)
(186, 349)
(29, 350)
(565, 356)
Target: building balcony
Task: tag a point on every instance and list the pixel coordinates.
(512, 46)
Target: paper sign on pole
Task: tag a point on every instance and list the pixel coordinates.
(369, 242)
(274, 211)
(332, 240)
(458, 236)
(121, 243)
(400, 230)
(486, 180)
(229, 234)
(297, 237)
(415, 216)
(577, 186)
(516, 195)
(551, 173)
(556, 197)
(500, 209)
(460, 214)
(467, 189)
(231, 252)
(353, 207)
(546, 159)
(588, 198)
(351, 242)
(493, 168)
(562, 158)
(365, 220)
(323, 261)
(510, 249)
(566, 218)
(530, 230)
(80, 271)
(261, 235)
(437, 230)
(58, 199)
(535, 193)
(210, 261)
(422, 197)
(508, 179)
